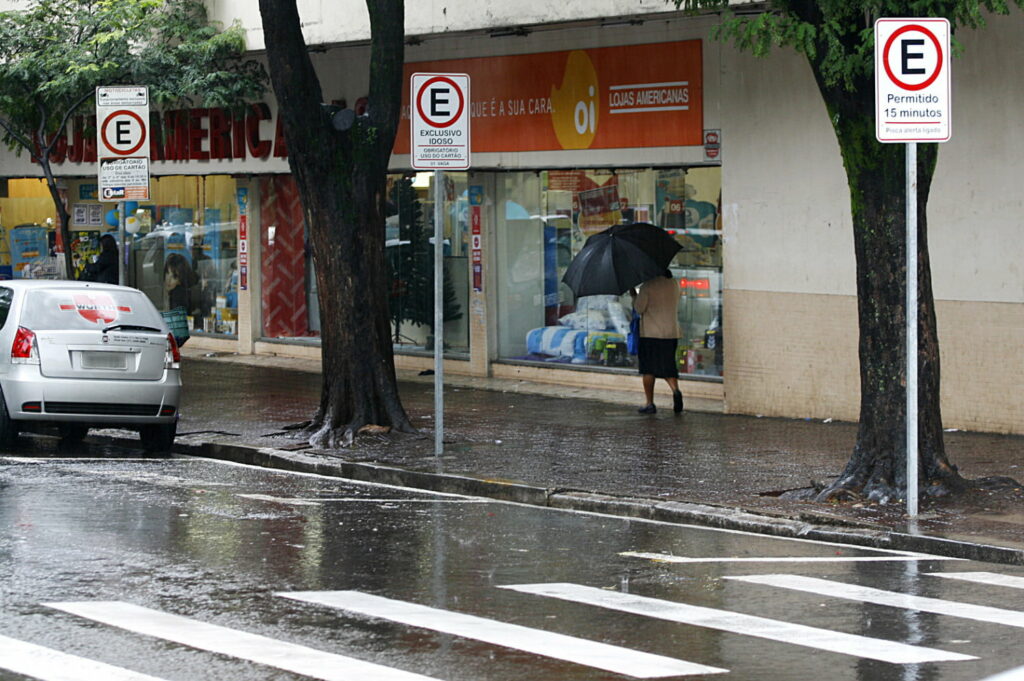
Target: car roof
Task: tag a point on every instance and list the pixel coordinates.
(51, 284)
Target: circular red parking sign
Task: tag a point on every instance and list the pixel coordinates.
(448, 116)
(938, 57)
(123, 132)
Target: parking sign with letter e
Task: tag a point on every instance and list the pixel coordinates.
(439, 111)
(912, 83)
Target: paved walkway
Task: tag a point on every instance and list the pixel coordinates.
(535, 435)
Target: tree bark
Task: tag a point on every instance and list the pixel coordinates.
(62, 221)
(342, 179)
(877, 179)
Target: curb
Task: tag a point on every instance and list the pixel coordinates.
(676, 512)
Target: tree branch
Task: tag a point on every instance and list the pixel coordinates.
(387, 56)
(71, 112)
(291, 68)
(19, 138)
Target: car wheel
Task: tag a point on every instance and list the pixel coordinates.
(72, 433)
(8, 431)
(158, 439)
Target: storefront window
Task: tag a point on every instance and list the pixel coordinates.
(185, 252)
(543, 220)
(183, 244)
(409, 248)
(27, 231)
(290, 308)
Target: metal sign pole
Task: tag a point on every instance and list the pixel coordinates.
(438, 312)
(121, 232)
(912, 349)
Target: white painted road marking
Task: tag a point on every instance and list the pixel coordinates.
(317, 501)
(1009, 675)
(988, 578)
(747, 625)
(290, 657)
(558, 646)
(47, 664)
(668, 558)
(866, 594)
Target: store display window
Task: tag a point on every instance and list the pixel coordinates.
(182, 241)
(409, 250)
(184, 249)
(27, 230)
(290, 307)
(543, 220)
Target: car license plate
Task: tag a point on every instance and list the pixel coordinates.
(105, 360)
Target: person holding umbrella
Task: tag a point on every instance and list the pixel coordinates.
(657, 304)
(616, 260)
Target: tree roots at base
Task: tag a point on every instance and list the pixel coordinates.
(849, 492)
(324, 436)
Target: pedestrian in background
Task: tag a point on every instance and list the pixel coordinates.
(657, 303)
(105, 268)
(179, 279)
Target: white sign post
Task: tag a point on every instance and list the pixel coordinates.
(122, 142)
(912, 104)
(122, 153)
(439, 115)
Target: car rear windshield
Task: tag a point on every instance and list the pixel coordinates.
(51, 309)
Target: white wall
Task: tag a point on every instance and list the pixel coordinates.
(976, 205)
(785, 200)
(327, 21)
(786, 203)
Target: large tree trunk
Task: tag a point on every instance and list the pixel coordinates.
(877, 178)
(63, 219)
(341, 178)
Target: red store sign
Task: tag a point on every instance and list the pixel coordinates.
(186, 135)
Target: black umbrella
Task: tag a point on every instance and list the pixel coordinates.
(619, 258)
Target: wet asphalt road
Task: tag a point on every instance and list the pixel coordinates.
(218, 544)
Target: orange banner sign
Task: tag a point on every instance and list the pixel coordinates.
(603, 98)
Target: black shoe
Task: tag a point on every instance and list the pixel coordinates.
(649, 409)
(677, 402)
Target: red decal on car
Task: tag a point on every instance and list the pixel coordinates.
(97, 308)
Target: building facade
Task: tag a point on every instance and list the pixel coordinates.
(584, 115)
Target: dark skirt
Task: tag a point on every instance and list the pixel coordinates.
(657, 356)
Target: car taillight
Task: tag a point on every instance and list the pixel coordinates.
(172, 358)
(24, 350)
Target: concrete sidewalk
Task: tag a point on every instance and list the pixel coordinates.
(532, 443)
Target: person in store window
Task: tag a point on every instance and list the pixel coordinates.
(178, 280)
(657, 303)
(104, 269)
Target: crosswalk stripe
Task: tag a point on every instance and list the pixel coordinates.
(318, 501)
(866, 594)
(669, 558)
(47, 664)
(988, 578)
(1009, 675)
(558, 646)
(290, 657)
(739, 623)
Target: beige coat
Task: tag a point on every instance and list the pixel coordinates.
(658, 303)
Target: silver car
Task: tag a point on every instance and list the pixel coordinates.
(78, 355)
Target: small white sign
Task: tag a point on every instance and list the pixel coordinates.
(122, 142)
(122, 95)
(439, 115)
(124, 178)
(912, 81)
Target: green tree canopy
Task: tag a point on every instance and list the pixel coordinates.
(54, 53)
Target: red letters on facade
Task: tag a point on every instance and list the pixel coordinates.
(185, 135)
